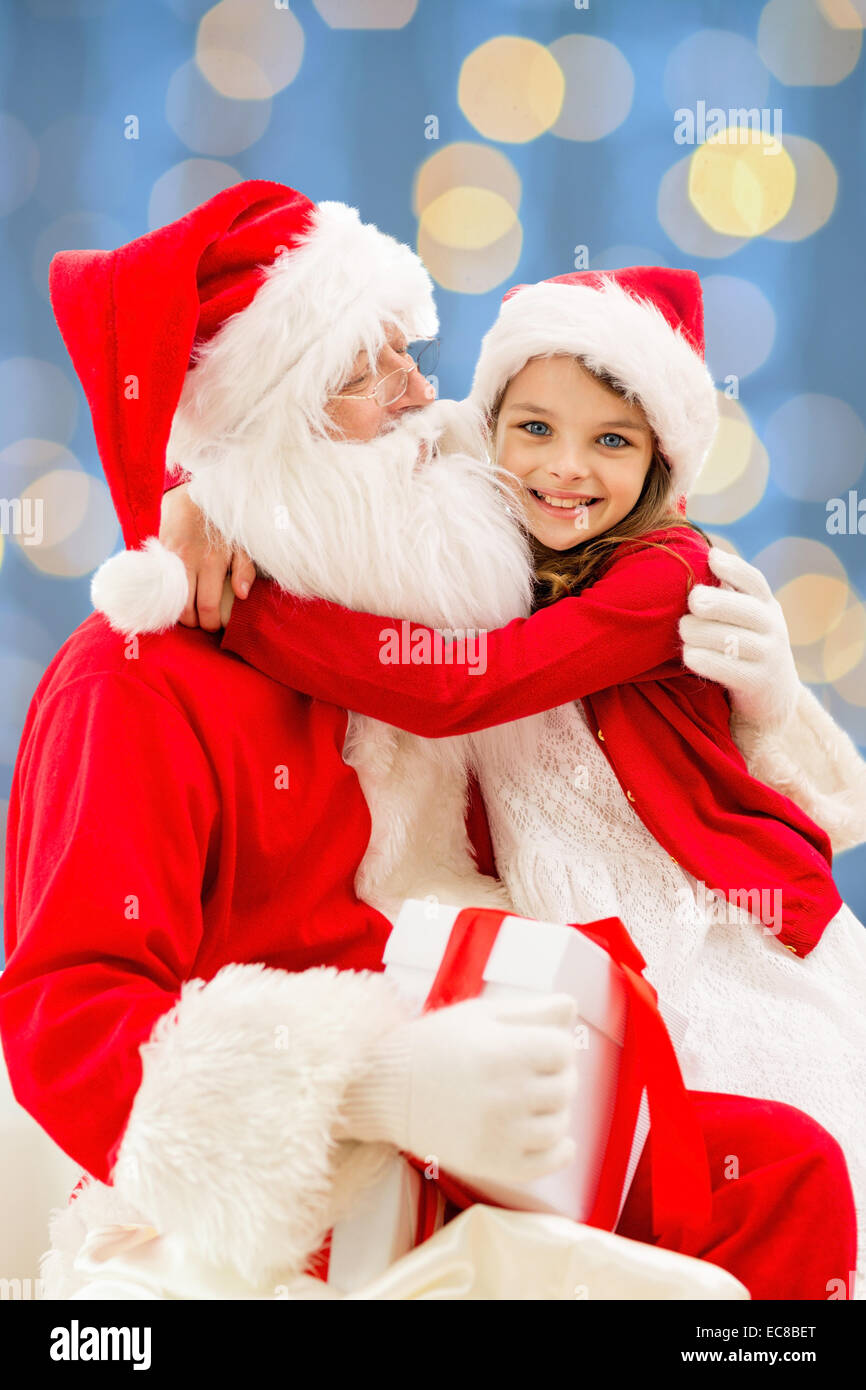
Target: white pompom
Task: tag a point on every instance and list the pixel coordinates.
(141, 590)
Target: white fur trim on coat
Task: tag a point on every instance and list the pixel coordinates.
(813, 761)
(230, 1142)
(628, 337)
(141, 590)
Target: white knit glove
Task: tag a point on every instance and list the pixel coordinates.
(737, 636)
(483, 1087)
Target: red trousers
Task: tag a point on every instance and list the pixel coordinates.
(783, 1217)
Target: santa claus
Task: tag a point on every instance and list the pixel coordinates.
(204, 867)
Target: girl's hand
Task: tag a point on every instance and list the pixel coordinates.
(737, 635)
(182, 530)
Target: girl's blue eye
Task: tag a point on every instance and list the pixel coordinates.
(529, 427)
(606, 439)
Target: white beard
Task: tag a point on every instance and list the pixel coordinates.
(369, 526)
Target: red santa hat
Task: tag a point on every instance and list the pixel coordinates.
(644, 325)
(278, 284)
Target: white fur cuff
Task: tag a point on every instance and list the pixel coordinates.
(230, 1141)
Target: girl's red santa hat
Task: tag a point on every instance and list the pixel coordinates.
(258, 288)
(644, 325)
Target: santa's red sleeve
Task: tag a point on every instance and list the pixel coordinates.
(177, 1091)
(623, 628)
(104, 902)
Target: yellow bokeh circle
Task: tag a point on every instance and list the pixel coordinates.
(249, 52)
(467, 198)
(812, 604)
(465, 164)
(734, 477)
(845, 645)
(511, 89)
(468, 217)
(471, 271)
(742, 182)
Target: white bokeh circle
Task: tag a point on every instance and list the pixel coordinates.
(76, 231)
(817, 446)
(739, 325)
(208, 122)
(802, 48)
(599, 87)
(182, 187)
(814, 194)
(717, 67)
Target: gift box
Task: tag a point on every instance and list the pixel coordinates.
(629, 1079)
(529, 957)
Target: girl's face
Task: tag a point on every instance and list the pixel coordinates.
(577, 451)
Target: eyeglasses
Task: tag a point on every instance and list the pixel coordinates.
(390, 388)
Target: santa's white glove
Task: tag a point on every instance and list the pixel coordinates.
(737, 635)
(485, 1088)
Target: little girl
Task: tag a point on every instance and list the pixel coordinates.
(628, 797)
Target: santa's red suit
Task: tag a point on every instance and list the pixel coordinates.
(192, 979)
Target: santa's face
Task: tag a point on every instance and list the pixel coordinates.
(357, 412)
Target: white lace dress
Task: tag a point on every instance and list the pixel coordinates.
(762, 1021)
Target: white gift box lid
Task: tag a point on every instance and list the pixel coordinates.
(543, 957)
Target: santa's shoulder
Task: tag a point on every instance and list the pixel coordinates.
(184, 666)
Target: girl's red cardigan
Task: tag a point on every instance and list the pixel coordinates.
(616, 647)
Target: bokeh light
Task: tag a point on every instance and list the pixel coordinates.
(739, 325)
(511, 89)
(468, 217)
(471, 271)
(802, 48)
(206, 121)
(185, 185)
(465, 165)
(716, 67)
(75, 231)
(742, 182)
(466, 198)
(814, 195)
(78, 523)
(813, 604)
(811, 584)
(844, 14)
(734, 478)
(845, 646)
(599, 87)
(249, 52)
(681, 221)
(26, 459)
(817, 446)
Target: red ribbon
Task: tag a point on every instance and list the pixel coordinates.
(680, 1177)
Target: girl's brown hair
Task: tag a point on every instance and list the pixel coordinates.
(560, 573)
